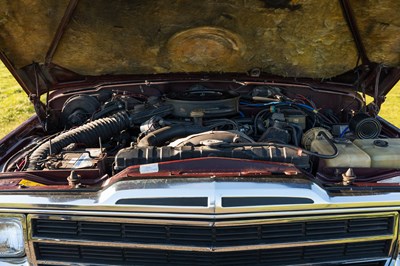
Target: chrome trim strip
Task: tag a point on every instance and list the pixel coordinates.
(308, 219)
(213, 210)
(210, 249)
(78, 217)
(45, 262)
(197, 216)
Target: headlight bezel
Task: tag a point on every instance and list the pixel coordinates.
(20, 221)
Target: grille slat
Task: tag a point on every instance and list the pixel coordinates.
(55, 231)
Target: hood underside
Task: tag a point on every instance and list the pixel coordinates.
(298, 38)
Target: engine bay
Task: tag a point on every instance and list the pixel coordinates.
(329, 134)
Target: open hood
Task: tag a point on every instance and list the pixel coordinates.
(45, 43)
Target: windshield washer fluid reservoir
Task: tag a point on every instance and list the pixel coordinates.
(349, 155)
(384, 153)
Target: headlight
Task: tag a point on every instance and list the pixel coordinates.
(11, 237)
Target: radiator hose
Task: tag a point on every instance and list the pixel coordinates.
(89, 134)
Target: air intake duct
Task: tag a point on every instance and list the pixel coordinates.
(364, 126)
(103, 128)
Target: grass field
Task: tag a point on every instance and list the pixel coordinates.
(15, 106)
(14, 103)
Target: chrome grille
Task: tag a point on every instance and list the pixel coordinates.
(280, 241)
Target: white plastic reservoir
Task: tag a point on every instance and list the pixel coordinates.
(384, 153)
(349, 155)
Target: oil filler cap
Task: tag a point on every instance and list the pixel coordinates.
(381, 143)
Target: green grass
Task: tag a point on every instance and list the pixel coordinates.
(14, 103)
(391, 107)
(16, 108)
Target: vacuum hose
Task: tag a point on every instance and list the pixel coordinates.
(103, 128)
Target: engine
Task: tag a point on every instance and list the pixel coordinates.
(112, 130)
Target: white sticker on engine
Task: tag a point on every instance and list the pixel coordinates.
(149, 168)
(84, 161)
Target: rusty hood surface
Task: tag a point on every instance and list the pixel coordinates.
(316, 39)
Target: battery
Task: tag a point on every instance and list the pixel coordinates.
(81, 159)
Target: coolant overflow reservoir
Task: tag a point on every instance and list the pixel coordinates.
(384, 153)
(349, 155)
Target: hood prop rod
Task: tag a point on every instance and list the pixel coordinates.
(60, 30)
(39, 107)
(351, 22)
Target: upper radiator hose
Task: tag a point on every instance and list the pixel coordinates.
(89, 134)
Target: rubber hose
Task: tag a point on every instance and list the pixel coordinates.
(294, 135)
(89, 134)
(162, 135)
